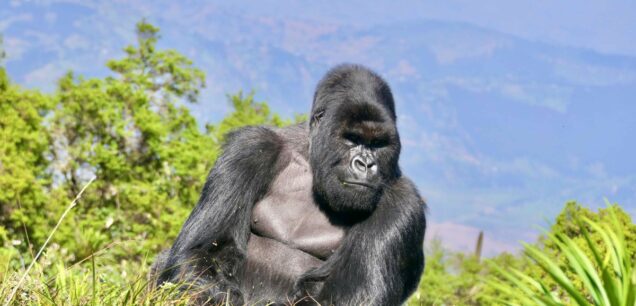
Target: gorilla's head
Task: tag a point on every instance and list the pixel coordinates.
(354, 143)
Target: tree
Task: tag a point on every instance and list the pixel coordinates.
(4, 79)
(24, 147)
(24, 151)
(133, 131)
(246, 112)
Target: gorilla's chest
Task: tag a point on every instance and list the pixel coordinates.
(289, 235)
(288, 213)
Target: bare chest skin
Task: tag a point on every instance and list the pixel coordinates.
(290, 235)
(289, 215)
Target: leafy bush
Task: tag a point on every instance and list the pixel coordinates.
(607, 276)
(459, 279)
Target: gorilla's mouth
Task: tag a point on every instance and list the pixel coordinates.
(356, 183)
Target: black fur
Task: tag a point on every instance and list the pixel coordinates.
(380, 259)
(211, 246)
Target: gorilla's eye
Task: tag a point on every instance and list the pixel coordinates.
(352, 139)
(379, 143)
(318, 115)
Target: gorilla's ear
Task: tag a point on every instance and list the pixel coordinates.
(315, 119)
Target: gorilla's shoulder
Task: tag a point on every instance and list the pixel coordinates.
(252, 143)
(268, 134)
(295, 136)
(265, 144)
(249, 135)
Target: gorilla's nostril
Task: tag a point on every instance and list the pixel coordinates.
(359, 165)
(373, 167)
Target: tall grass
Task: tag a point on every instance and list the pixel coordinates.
(78, 284)
(71, 286)
(37, 256)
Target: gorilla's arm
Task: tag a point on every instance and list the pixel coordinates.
(213, 241)
(381, 260)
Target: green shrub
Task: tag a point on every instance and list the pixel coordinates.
(602, 271)
(458, 279)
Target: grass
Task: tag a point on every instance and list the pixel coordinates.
(48, 239)
(80, 285)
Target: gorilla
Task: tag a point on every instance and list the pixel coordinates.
(315, 213)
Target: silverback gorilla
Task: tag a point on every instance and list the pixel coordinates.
(313, 213)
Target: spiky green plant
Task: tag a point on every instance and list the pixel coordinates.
(608, 275)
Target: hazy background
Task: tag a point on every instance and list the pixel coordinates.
(506, 110)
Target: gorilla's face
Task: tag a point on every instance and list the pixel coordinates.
(354, 145)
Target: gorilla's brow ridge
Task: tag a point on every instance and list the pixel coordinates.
(362, 111)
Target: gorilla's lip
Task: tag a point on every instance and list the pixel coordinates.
(358, 183)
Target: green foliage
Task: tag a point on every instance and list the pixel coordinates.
(246, 112)
(449, 279)
(458, 279)
(567, 225)
(162, 73)
(604, 273)
(132, 131)
(24, 150)
(93, 285)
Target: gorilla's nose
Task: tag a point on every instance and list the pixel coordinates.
(363, 165)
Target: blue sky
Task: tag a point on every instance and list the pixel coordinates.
(506, 109)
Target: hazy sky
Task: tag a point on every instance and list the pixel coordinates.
(506, 109)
